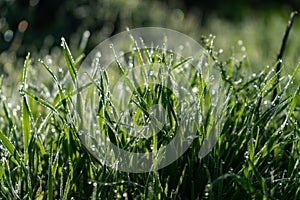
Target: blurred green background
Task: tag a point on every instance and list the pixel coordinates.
(242, 27)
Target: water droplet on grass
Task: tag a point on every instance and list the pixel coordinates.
(213, 92)
(151, 73)
(93, 148)
(62, 41)
(240, 42)
(206, 194)
(195, 89)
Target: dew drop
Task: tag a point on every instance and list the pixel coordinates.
(93, 148)
(195, 89)
(18, 107)
(48, 60)
(246, 154)
(62, 44)
(213, 92)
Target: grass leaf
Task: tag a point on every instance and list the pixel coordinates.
(11, 148)
(69, 60)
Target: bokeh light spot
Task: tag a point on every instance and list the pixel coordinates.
(8, 35)
(23, 26)
(33, 2)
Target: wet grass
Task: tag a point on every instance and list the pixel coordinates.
(256, 156)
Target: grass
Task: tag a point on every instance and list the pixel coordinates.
(256, 157)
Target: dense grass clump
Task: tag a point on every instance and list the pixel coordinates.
(256, 157)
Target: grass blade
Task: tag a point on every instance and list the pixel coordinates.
(25, 112)
(69, 60)
(11, 148)
(50, 177)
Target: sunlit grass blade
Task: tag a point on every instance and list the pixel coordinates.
(42, 102)
(182, 62)
(294, 103)
(60, 89)
(25, 111)
(69, 60)
(26, 127)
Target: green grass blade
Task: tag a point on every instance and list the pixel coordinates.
(26, 127)
(182, 62)
(69, 60)
(50, 178)
(68, 186)
(25, 110)
(11, 148)
(41, 101)
(60, 89)
(180, 182)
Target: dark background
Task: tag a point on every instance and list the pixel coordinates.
(57, 18)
